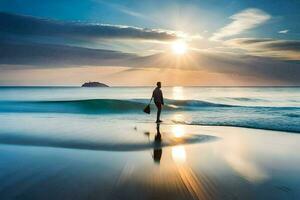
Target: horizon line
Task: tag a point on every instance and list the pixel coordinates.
(114, 86)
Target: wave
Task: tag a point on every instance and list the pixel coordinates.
(98, 106)
(293, 115)
(244, 124)
(94, 106)
(89, 106)
(243, 99)
(196, 103)
(201, 112)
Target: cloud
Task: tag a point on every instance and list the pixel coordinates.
(122, 9)
(26, 25)
(242, 21)
(282, 49)
(284, 31)
(233, 65)
(58, 56)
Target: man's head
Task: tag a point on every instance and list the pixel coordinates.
(158, 84)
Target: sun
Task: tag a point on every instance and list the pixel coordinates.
(179, 47)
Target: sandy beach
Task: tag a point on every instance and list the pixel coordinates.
(190, 162)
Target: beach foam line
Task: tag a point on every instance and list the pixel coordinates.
(241, 124)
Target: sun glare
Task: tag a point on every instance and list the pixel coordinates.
(177, 93)
(179, 47)
(178, 154)
(178, 131)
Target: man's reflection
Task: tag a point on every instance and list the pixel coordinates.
(157, 152)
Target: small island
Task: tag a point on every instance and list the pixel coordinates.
(94, 84)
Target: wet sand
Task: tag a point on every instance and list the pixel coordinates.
(134, 161)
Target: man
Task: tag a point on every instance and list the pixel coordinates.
(158, 100)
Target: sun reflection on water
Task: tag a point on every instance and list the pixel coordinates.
(237, 153)
(178, 117)
(177, 93)
(178, 131)
(178, 154)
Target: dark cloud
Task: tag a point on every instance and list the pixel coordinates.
(283, 45)
(250, 40)
(26, 25)
(45, 56)
(232, 64)
(283, 49)
(271, 44)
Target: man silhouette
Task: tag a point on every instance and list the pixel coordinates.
(158, 100)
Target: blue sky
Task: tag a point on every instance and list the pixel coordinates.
(239, 42)
(214, 12)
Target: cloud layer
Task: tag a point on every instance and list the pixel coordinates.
(42, 56)
(242, 21)
(18, 24)
(283, 49)
(58, 56)
(251, 59)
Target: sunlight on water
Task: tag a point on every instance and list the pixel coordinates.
(178, 117)
(178, 154)
(178, 131)
(177, 93)
(236, 153)
(251, 107)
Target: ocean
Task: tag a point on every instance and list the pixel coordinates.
(271, 108)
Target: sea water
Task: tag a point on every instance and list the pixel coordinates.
(272, 108)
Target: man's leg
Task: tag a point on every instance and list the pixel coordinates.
(158, 112)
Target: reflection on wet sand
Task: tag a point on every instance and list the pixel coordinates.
(178, 131)
(184, 178)
(177, 138)
(157, 152)
(188, 178)
(178, 154)
(151, 162)
(235, 152)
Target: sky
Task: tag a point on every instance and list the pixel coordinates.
(137, 43)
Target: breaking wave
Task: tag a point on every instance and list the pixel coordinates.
(200, 112)
(94, 106)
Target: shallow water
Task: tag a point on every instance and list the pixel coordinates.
(273, 108)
